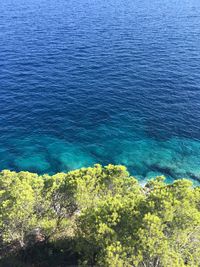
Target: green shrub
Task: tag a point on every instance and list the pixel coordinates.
(104, 215)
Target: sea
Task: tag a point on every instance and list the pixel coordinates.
(101, 81)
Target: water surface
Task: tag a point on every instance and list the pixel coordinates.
(95, 81)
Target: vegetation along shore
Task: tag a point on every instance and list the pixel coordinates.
(97, 216)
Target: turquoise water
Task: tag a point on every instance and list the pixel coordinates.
(85, 82)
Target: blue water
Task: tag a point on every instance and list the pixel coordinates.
(95, 81)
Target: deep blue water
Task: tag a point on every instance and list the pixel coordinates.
(95, 81)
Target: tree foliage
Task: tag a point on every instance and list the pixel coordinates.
(111, 218)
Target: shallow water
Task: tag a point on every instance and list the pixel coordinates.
(90, 81)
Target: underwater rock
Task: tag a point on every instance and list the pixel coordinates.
(193, 176)
(165, 170)
(33, 163)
